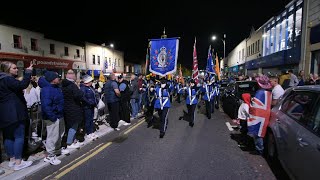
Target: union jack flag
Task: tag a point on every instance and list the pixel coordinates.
(259, 112)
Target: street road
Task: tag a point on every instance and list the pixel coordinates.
(205, 151)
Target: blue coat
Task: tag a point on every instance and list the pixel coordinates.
(162, 97)
(209, 92)
(179, 88)
(52, 102)
(191, 95)
(13, 106)
(90, 100)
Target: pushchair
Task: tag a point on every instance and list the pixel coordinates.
(33, 140)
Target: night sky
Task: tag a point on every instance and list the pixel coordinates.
(129, 24)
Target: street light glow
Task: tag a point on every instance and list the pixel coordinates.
(111, 45)
(214, 38)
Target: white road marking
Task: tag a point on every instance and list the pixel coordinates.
(229, 126)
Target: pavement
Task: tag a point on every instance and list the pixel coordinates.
(39, 164)
(206, 151)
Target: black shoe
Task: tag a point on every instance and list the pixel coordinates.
(191, 124)
(180, 118)
(162, 134)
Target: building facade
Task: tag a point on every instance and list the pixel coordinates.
(103, 58)
(237, 58)
(277, 45)
(312, 37)
(22, 46)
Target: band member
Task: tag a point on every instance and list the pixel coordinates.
(179, 89)
(150, 104)
(162, 105)
(208, 96)
(191, 101)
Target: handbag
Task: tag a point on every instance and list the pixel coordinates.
(101, 105)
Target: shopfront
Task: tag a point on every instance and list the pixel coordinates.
(41, 64)
(315, 45)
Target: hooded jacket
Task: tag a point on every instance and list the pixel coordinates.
(13, 107)
(52, 102)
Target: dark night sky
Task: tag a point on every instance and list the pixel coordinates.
(129, 24)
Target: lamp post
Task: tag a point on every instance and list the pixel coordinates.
(114, 61)
(224, 44)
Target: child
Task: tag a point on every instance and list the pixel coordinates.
(243, 115)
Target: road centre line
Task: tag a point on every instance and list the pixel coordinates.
(73, 161)
(133, 127)
(82, 161)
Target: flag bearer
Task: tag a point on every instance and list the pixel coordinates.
(162, 105)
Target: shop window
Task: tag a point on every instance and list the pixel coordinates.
(298, 23)
(283, 34)
(93, 59)
(277, 37)
(98, 60)
(290, 32)
(119, 63)
(110, 62)
(77, 52)
(34, 44)
(242, 54)
(52, 49)
(66, 51)
(17, 41)
(258, 45)
(271, 40)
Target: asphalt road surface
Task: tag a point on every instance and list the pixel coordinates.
(205, 151)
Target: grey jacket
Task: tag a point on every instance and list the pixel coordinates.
(134, 89)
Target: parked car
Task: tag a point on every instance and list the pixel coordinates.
(231, 98)
(222, 86)
(293, 135)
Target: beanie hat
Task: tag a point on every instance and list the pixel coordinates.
(50, 76)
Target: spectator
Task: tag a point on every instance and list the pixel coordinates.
(31, 96)
(284, 76)
(52, 105)
(316, 79)
(277, 90)
(124, 100)
(293, 79)
(90, 101)
(113, 100)
(13, 112)
(301, 78)
(134, 101)
(140, 86)
(72, 108)
(310, 80)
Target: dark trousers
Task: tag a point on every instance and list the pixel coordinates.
(88, 119)
(125, 111)
(163, 114)
(191, 109)
(178, 98)
(171, 98)
(244, 131)
(114, 114)
(149, 114)
(209, 108)
(212, 105)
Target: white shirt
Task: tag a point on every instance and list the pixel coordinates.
(31, 98)
(277, 92)
(243, 111)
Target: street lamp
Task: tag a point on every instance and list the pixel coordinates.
(111, 45)
(224, 44)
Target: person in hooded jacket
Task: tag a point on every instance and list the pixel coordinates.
(90, 101)
(13, 112)
(52, 105)
(162, 105)
(73, 97)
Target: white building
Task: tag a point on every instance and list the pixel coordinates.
(23, 46)
(103, 58)
(311, 38)
(237, 58)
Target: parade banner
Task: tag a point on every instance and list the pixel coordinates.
(164, 56)
(210, 66)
